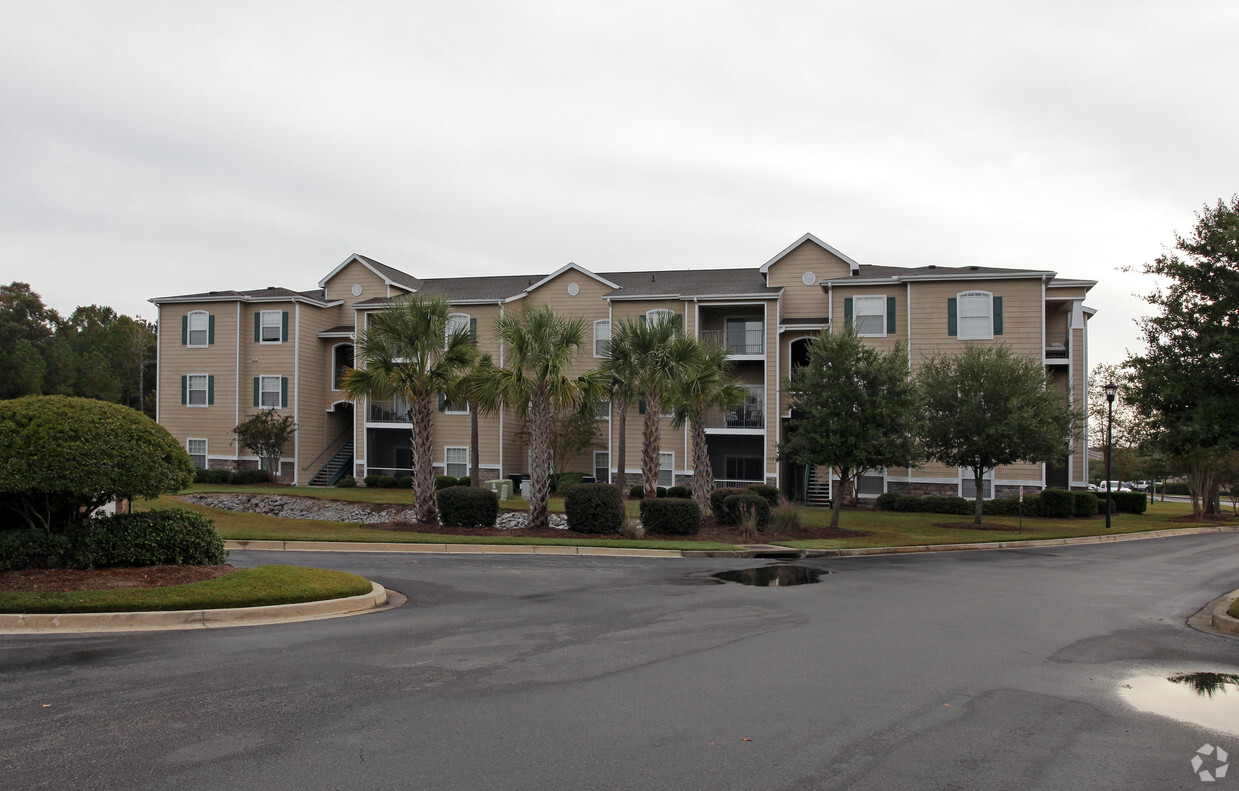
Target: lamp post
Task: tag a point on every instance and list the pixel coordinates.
(1111, 391)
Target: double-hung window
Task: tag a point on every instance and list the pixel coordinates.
(666, 469)
(869, 316)
(270, 391)
(459, 322)
(197, 390)
(974, 315)
(602, 338)
(602, 466)
(197, 452)
(198, 329)
(456, 462)
(271, 326)
(661, 314)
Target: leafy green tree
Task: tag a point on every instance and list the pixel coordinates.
(26, 326)
(406, 354)
(540, 346)
(854, 409)
(1184, 384)
(63, 457)
(707, 384)
(985, 407)
(265, 434)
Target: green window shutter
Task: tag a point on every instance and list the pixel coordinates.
(210, 389)
(998, 315)
(257, 326)
(890, 315)
(641, 407)
(442, 401)
(283, 326)
(952, 323)
(283, 391)
(185, 330)
(847, 312)
(211, 329)
(184, 389)
(473, 331)
(255, 391)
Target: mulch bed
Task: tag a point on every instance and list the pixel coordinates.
(48, 580)
(1216, 518)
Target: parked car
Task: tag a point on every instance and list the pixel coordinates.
(1115, 486)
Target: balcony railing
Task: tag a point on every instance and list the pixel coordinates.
(1057, 346)
(747, 341)
(393, 411)
(750, 415)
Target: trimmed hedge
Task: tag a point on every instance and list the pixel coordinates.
(736, 503)
(681, 492)
(347, 482)
(211, 476)
(717, 498)
(935, 504)
(1057, 504)
(464, 506)
(670, 516)
(887, 501)
(404, 482)
(151, 538)
(594, 508)
(1129, 502)
(661, 491)
(249, 477)
(565, 482)
(1086, 504)
(32, 549)
(442, 481)
(770, 493)
(637, 492)
(1010, 506)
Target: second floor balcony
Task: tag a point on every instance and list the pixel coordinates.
(749, 415)
(1057, 346)
(387, 411)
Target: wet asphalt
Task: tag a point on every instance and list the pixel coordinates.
(985, 670)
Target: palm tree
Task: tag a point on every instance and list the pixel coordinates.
(707, 385)
(405, 354)
(472, 387)
(622, 388)
(539, 347)
(659, 355)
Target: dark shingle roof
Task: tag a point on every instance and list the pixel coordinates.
(402, 279)
(689, 283)
(872, 271)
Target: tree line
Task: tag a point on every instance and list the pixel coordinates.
(93, 352)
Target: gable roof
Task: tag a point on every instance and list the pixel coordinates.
(390, 275)
(268, 294)
(565, 268)
(808, 237)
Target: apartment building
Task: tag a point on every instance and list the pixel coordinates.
(223, 355)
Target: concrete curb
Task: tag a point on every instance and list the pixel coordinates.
(449, 549)
(192, 619)
(1220, 619)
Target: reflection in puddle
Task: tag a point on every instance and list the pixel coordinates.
(1210, 700)
(772, 576)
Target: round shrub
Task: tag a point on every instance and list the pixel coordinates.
(444, 481)
(887, 501)
(63, 457)
(152, 538)
(1130, 502)
(670, 516)
(681, 492)
(594, 508)
(770, 493)
(212, 476)
(636, 492)
(347, 482)
(565, 482)
(32, 549)
(754, 503)
(1057, 504)
(661, 491)
(1085, 504)
(464, 506)
(386, 482)
(249, 477)
(716, 503)
(371, 480)
(404, 482)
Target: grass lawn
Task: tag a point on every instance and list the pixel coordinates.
(1234, 609)
(247, 588)
(890, 529)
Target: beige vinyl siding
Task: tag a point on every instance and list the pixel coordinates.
(1022, 316)
(313, 395)
(340, 286)
(1074, 292)
(898, 291)
(799, 300)
(215, 422)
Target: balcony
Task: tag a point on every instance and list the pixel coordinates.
(750, 415)
(391, 411)
(748, 340)
(1057, 346)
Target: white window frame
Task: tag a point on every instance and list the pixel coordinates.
(605, 466)
(653, 316)
(666, 463)
(448, 463)
(744, 322)
(965, 476)
(190, 389)
(189, 448)
(604, 409)
(263, 326)
(988, 316)
(205, 329)
(881, 474)
(451, 408)
(599, 325)
(455, 324)
(857, 313)
(263, 391)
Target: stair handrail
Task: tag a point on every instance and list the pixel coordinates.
(333, 446)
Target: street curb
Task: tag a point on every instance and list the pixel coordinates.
(46, 623)
(450, 549)
(1219, 618)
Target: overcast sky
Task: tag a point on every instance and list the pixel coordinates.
(157, 148)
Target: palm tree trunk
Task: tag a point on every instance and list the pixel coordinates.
(540, 458)
(422, 414)
(650, 442)
(703, 474)
(475, 455)
(621, 444)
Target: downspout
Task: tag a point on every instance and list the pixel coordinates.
(236, 385)
(296, 387)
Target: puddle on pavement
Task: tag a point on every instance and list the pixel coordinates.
(777, 576)
(1210, 700)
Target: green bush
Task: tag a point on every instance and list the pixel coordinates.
(785, 516)
(670, 516)
(594, 508)
(1010, 506)
(444, 481)
(771, 493)
(1057, 504)
(152, 538)
(212, 476)
(935, 504)
(717, 497)
(735, 504)
(887, 501)
(661, 491)
(32, 549)
(386, 482)
(1085, 504)
(63, 457)
(371, 480)
(249, 477)
(565, 482)
(681, 492)
(464, 506)
(404, 482)
(1130, 502)
(347, 482)
(637, 492)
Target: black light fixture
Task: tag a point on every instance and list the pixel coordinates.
(1112, 390)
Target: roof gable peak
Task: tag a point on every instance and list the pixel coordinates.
(808, 237)
(565, 268)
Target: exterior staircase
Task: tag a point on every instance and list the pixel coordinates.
(336, 466)
(817, 486)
